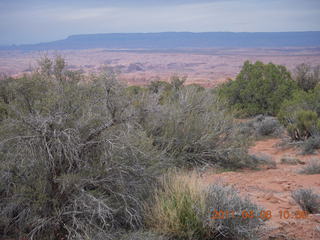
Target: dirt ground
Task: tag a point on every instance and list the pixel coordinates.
(272, 188)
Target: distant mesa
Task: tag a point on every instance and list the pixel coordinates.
(178, 40)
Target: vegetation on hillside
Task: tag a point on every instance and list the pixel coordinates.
(270, 89)
(258, 89)
(86, 157)
(78, 159)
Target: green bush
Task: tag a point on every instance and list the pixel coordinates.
(300, 114)
(258, 89)
(183, 209)
(306, 124)
(177, 207)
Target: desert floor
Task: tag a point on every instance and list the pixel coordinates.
(203, 66)
(271, 189)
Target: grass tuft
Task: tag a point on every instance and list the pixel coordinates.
(307, 200)
(312, 167)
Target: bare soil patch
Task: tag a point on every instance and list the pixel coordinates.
(272, 189)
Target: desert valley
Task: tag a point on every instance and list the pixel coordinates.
(159, 120)
(206, 67)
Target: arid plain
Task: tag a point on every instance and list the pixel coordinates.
(203, 66)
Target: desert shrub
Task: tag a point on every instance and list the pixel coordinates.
(312, 167)
(177, 81)
(291, 160)
(306, 76)
(264, 159)
(182, 209)
(79, 158)
(311, 144)
(307, 200)
(74, 163)
(122, 235)
(268, 126)
(194, 129)
(260, 126)
(300, 115)
(134, 90)
(305, 125)
(196, 86)
(221, 198)
(142, 236)
(258, 89)
(157, 86)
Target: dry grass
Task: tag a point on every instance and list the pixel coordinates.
(177, 205)
(291, 161)
(307, 200)
(313, 167)
(182, 209)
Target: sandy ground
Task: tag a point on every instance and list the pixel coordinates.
(272, 188)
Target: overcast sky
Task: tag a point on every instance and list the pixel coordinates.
(32, 21)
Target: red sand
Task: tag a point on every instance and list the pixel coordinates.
(272, 188)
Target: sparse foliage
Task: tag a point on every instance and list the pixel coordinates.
(307, 200)
(311, 145)
(312, 167)
(306, 76)
(194, 128)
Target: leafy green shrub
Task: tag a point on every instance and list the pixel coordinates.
(183, 209)
(307, 200)
(258, 89)
(300, 115)
(312, 167)
(306, 125)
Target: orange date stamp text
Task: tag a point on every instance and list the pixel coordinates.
(263, 214)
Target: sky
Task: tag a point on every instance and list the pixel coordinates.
(34, 21)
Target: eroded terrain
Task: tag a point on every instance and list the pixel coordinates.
(203, 66)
